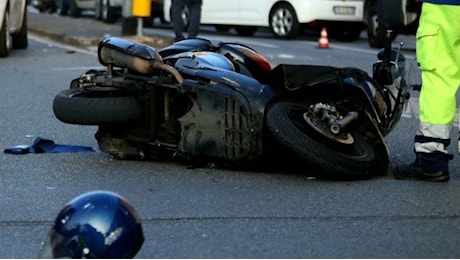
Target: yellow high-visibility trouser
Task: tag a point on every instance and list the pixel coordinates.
(438, 57)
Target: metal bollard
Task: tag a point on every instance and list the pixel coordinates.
(141, 8)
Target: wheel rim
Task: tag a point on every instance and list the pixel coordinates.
(282, 21)
(343, 143)
(339, 144)
(322, 128)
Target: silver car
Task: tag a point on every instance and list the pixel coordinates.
(13, 26)
(106, 10)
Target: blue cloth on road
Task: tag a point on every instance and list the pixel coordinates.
(42, 145)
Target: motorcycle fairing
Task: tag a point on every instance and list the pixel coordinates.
(232, 131)
(201, 59)
(187, 45)
(221, 125)
(253, 64)
(238, 81)
(256, 64)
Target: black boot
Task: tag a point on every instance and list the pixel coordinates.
(418, 169)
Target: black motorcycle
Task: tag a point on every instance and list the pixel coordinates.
(222, 103)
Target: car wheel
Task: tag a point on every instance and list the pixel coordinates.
(108, 12)
(98, 10)
(283, 21)
(376, 33)
(74, 10)
(4, 35)
(19, 39)
(62, 7)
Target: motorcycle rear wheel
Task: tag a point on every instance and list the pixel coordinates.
(357, 160)
(76, 106)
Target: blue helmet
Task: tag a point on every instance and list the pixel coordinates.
(98, 224)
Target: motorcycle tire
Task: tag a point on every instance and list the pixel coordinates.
(76, 106)
(337, 160)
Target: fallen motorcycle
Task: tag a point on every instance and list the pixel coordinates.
(222, 103)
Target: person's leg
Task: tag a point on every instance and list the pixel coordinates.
(195, 17)
(438, 43)
(176, 19)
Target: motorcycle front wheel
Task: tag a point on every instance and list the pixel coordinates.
(343, 159)
(91, 107)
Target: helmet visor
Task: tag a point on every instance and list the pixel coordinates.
(58, 246)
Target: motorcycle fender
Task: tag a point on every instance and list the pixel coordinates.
(291, 78)
(221, 125)
(288, 77)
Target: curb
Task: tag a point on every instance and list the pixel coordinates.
(94, 41)
(44, 26)
(75, 41)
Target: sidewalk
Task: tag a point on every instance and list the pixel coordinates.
(83, 31)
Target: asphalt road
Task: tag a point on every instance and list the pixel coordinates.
(204, 212)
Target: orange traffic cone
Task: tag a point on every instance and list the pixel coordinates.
(323, 42)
